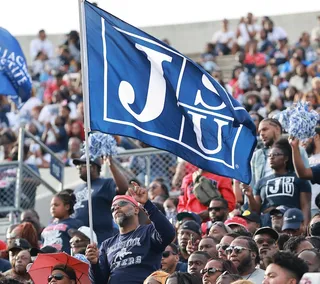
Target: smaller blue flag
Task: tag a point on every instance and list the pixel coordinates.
(15, 80)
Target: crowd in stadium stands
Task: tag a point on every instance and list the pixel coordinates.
(265, 232)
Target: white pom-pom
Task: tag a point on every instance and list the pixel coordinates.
(101, 145)
(299, 121)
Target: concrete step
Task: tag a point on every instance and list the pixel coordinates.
(226, 64)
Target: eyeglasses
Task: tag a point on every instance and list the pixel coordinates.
(235, 249)
(210, 271)
(221, 246)
(271, 155)
(167, 253)
(57, 276)
(79, 241)
(268, 241)
(218, 209)
(120, 204)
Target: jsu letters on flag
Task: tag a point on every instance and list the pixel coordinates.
(143, 88)
(15, 80)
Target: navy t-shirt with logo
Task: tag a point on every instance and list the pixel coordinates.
(56, 234)
(316, 174)
(276, 190)
(130, 258)
(102, 192)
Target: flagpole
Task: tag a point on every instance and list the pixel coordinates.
(85, 94)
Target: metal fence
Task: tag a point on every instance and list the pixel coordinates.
(146, 164)
(20, 181)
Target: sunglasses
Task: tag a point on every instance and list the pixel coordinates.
(221, 246)
(210, 271)
(57, 276)
(120, 204)
(235, 249)
(217, 209)
(167, 253)
(83, 166)
(233, 276)
(268, 241)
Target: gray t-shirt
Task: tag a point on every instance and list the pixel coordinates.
(256, 276)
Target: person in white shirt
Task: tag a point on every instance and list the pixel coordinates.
(223, 39)
(247, 30)
(315, 34)
(274, 33)
(41, 43)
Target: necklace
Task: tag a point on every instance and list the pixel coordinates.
(131, 233)
(251, 274)
(123, 247)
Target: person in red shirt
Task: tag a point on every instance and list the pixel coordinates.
(188, 201)
(253, 58)
(55, 85)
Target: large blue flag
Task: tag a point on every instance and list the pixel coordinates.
(142, 88)
(15, 80)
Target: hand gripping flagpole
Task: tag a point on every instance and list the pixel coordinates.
(85, 94)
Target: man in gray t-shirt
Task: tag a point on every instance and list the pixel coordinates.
(244, 254)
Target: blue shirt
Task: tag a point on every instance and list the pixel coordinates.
(56, 234)
(182, 266)
(316, 174)
(103, 192)
(4, 265)
(130, 258)
(276, 190)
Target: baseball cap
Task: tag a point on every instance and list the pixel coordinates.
(279, 210)
(126, 197)
(251, 216)
(83, 231)
(192, 226)
(82, 160)
(188, 214)
(19, 244)
(236, 220)
(268, 231)
(292, 219)
(45, 249)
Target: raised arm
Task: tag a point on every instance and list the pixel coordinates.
(305, 204)
(164, 232)
(301, 170)
(119, 178)
(254, 201)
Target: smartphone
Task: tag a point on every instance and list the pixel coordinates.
(192, 239)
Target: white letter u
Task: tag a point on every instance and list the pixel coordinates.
(196, 119)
